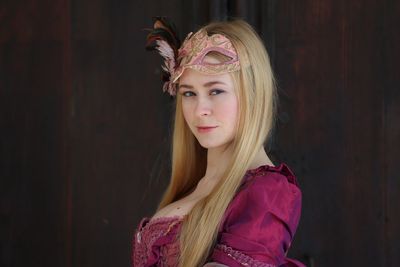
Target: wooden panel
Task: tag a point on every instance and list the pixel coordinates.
(390, 127)
(33, 74)
(329, 67)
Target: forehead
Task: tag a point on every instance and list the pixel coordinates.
(194, 77)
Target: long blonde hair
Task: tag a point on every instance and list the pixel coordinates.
(256, 92)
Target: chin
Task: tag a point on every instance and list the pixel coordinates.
(207, 144)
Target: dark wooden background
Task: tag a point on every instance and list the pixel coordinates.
(85, 129)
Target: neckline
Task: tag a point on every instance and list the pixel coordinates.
(149, 221)
(250, 172)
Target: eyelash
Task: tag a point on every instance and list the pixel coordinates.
(219, 91)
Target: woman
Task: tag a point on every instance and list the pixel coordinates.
(226, 204)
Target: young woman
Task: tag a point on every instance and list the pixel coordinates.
(227, 204)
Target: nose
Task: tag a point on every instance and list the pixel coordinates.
(203, 107)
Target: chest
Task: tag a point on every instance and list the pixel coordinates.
(184, 205)
(178, 208)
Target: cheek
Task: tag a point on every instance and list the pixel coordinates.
(229, 111)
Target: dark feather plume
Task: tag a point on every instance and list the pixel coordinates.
(164, 38)
(164, 29)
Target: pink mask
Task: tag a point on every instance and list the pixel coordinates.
(190, 54)
(196, 47)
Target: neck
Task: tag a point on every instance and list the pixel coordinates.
(217, 161)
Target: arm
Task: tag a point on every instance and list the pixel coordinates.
(260, 225)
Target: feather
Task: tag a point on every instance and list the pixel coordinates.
(168, 54)
(165, 30)
(164, 39)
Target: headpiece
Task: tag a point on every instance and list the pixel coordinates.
(191, 54)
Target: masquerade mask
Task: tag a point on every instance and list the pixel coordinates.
(191, 54)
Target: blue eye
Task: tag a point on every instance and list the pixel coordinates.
(187, 93)
(216, 92)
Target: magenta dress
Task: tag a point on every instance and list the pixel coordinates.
(257, 228)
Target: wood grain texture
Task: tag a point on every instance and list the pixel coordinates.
(34, 179)
(329, 62)
(390, 127)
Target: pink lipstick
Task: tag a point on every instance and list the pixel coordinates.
(206, 129)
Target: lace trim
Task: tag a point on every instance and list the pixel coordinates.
(147, 235)
(242, 258)
(162, 221)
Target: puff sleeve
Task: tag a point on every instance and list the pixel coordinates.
(260, 223)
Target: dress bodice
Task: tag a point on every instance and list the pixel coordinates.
(258, 227)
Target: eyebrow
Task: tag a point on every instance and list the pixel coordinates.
(207, 84)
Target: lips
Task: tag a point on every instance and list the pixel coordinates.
(204, 129)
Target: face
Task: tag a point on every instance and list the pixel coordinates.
(210, 107)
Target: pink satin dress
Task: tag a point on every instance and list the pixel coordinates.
(257, 230)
